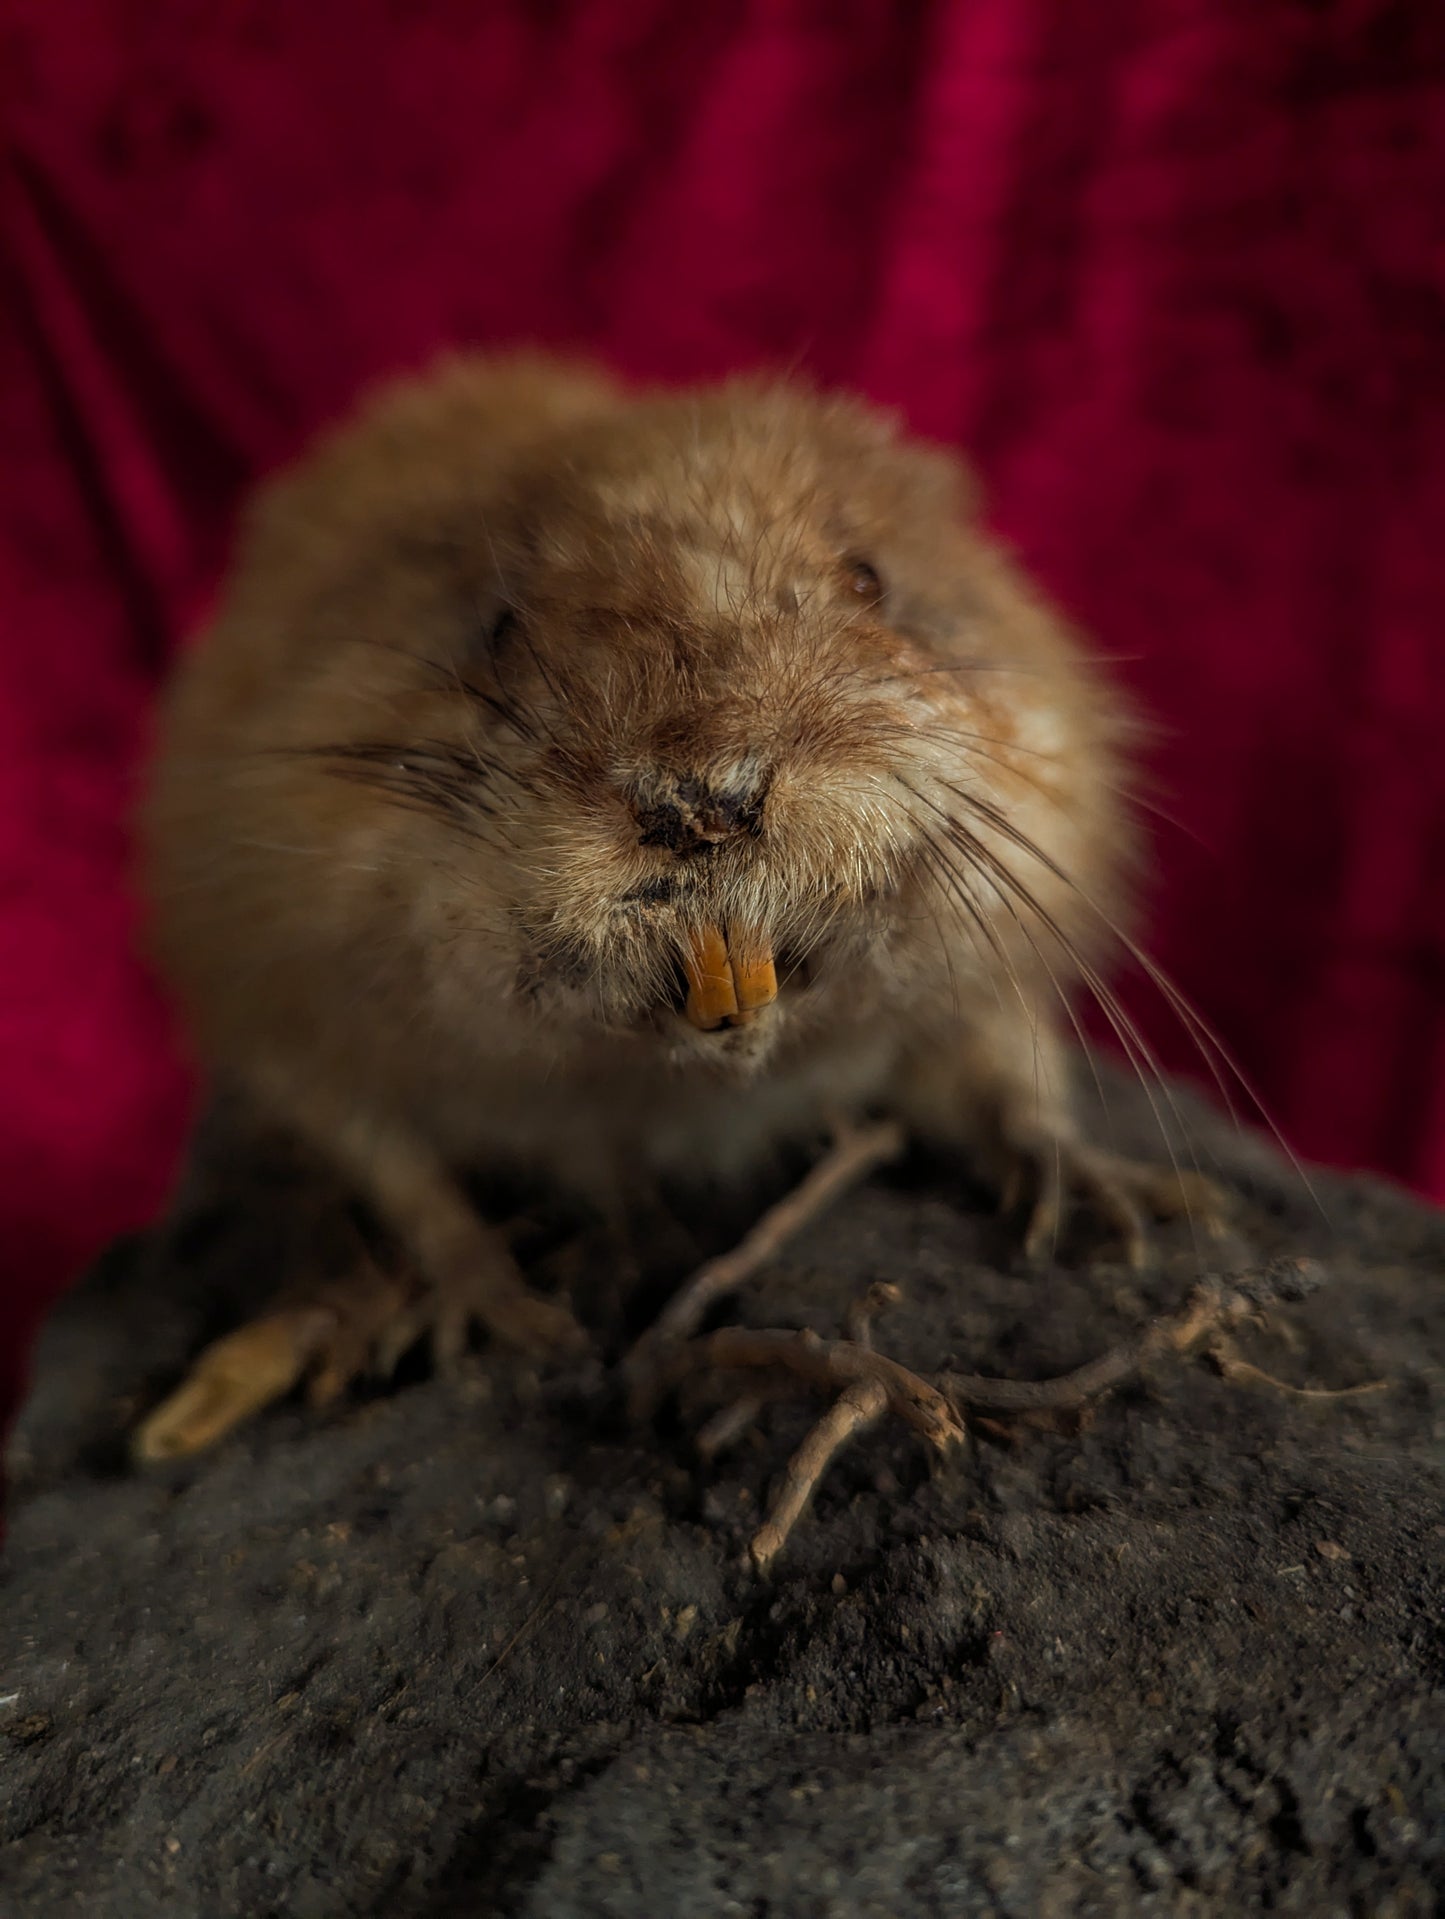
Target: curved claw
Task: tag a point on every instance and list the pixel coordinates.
(1124, 1192)
(542, 1328)
(368, 1322)
(233, 1379)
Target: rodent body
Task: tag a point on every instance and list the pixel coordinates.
(621, 783)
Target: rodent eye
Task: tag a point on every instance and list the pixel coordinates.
(862, 578)
(502, 629)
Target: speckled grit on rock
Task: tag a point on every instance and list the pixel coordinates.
(474, 1647)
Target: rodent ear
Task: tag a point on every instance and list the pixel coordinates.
(931, 545)
(954, 482)
(969, 487)
(937, 471)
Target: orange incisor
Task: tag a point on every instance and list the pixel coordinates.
(727, 982)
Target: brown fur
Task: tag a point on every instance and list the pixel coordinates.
(475, 643)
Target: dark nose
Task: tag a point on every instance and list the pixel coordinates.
(688, 817)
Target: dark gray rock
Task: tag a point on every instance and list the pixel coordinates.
(474, 1646)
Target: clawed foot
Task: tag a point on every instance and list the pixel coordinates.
(865, 1385)
(334, 1335)
(1126, 1193)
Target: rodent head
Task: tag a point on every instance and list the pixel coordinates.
(725, 674)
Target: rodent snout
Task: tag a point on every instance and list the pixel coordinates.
(689, 816)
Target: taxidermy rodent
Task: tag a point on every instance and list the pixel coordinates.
(618, 783)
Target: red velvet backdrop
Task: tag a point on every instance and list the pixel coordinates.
(1173, 269)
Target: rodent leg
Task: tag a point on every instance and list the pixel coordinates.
(1002, 1099)
(1125, 1192)
(466, 1266)
(326, 1332)
(455, 1271)
(854, 1153)
(866, 1384)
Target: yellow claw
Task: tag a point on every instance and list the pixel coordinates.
(232, 1379)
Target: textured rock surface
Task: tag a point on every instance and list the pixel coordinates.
(473, 1646)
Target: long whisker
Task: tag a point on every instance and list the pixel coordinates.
(1062, 995)
(1193, 1023)
(513, 712)
(976, 663)
(955, 885)
(1130, 1039)
(1008, 884)
(975, 745)
(959, 881)
(1136, 1049)
(431, 777)
(1211, 1048)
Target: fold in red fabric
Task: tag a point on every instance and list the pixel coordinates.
(1173, 272)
